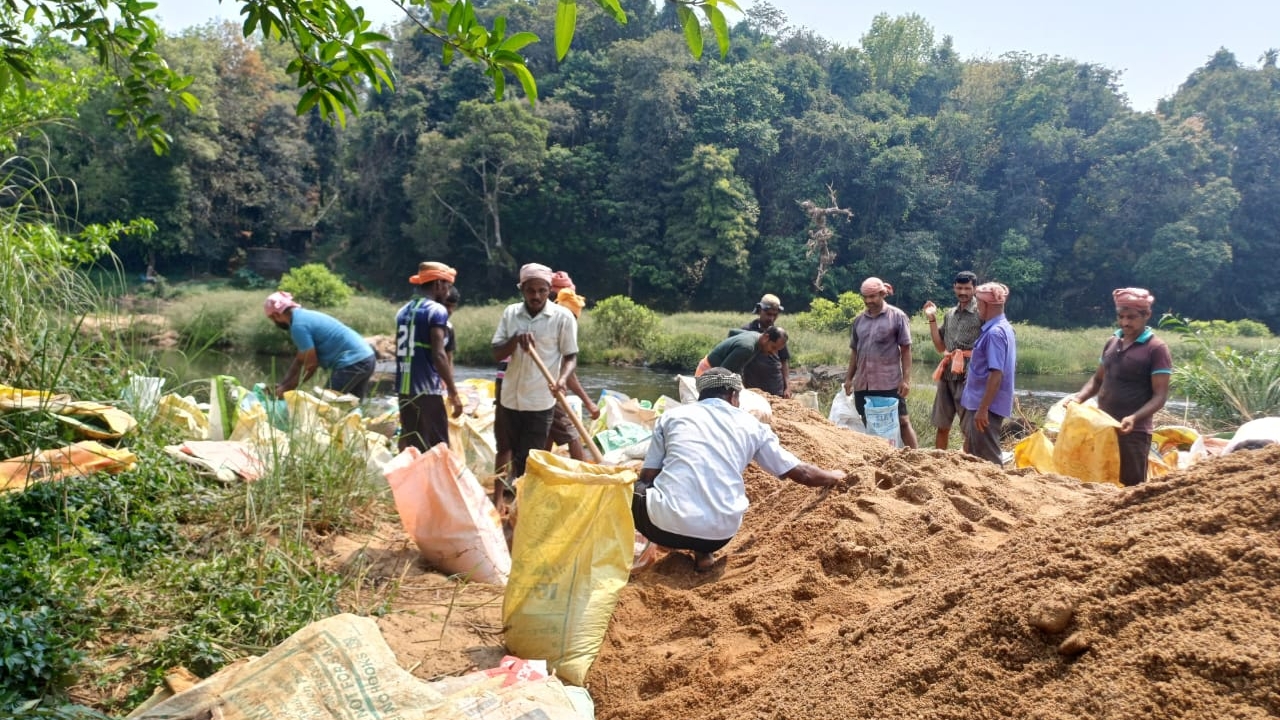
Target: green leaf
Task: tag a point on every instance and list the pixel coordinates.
(614, 9)
(517, 41)
(731, 4)
(526, 80)
(692, 30)
(566, 23)
(719, 26)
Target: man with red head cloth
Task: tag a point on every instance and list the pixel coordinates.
(424, 370)
(1132, 381)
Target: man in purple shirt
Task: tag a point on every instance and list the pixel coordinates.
(988, 391)
(880, 355)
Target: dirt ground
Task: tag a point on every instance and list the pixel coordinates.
(927, 585)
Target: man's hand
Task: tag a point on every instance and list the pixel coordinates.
(930, 310)
(526, 341)
(456, 402)
(903, 388)
(593, 410)
(981, 419)
(1126, 425)
(848, 386)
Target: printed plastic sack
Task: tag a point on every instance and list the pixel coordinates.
(843, 413)
(622, 435)
(1087, 446)
(882, 419)
(571, 554)
(1035, 451)
(756, 404)
(445, 511)
(223, 395)
(142, 395)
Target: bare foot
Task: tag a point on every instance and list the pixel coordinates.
(703, 562)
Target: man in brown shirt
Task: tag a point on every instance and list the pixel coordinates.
(959, 330)
(880, 355)
(1132, 381)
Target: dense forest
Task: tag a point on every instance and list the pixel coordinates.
(700, 183)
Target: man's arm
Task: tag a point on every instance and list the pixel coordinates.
(905, 386)
(290, 379)
(568, 364)
(848, 374)
(814, 476)
(440, 359)
(786, 378)
(648, 474)
(576, 386)
(1091, 387)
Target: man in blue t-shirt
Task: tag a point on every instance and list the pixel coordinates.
(424, 371)
(322, 342)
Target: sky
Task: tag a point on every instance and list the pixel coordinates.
(1154, 44)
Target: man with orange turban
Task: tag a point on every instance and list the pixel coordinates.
(988, 390)
(1132, 380)
(424, 371)
(880, 355)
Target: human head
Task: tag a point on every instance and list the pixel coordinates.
(535, 286)
(1133, 309)
(561, 280)
(451, 299)
(874, 291)
(768, 309)
(570, 300)
(720, 383)
(964, 285)
(772, 339)
(435, 279)
(279, 308)
(991, 299)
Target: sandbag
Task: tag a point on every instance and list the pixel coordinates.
(1035, 451)
(1087, 447)
(82, 458)
(571, 554)
(756, 404)
(882, 419)
(446, 512)
(843, 413)
(341, 668)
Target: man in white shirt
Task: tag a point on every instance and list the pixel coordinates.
(690, 494)
(528, 400)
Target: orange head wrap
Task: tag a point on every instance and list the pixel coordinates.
(1134, 298)
(432, 271)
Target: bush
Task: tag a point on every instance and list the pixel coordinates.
(315, 286)
(246, 279)
(680, 352)
(826, 316)
(625, 323)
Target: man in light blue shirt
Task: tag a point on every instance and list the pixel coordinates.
(322, 342)
(690, 494)
(988, 390)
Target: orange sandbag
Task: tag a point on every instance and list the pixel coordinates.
(1087, 447)
(448, 515)
(82, 458)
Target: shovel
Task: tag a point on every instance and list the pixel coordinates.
(577, 421)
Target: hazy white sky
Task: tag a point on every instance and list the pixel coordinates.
(1154, 43)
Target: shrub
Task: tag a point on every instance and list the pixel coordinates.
(314, 285)
(246, 279)
(1251, 328)
(680, 352)
(625, 323)
(826, 316)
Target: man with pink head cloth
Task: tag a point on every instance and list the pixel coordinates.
(322, 342)
(532, 326)
(1132, 380)
(880, 355)
(988, 389)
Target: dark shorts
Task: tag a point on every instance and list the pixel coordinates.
(946, 403)
(500, 442)
(526, 430)
(860, 401)
(985, 445)
(1135, 448)
(640, 514)
(353, 378)
(424, 422)
(563, 431)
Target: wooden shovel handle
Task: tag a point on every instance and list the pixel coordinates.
(564, 403)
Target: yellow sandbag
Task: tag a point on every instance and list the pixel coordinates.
(1087, 446)
(95, 420)
(82, 458)
(12, 398)
(570, 556)
(184, 414)
(1035, 451)
(1173, 437)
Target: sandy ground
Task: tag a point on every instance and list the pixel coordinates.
(927, 585)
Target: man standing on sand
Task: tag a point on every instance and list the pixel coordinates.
(322, 342)
(424, 370)
(954, 339)
(1132, 380)
(880, 355)
(534, 325)
(988, 391)
(690, 494)
(770, 372)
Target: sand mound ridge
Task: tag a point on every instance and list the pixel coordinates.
(938, 586)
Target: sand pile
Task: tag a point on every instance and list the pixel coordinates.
(931, 585)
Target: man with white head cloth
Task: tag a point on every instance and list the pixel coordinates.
(988, 390)
(690, 494)
(534, 325)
